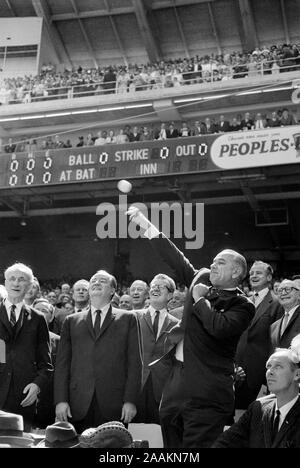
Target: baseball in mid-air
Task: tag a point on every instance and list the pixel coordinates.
(124, 186)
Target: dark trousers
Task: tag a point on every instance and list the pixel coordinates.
(147, 407)
(203, 423)
(13, 405)
(93, 417)
(171, 408)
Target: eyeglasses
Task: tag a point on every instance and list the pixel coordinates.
(160, 287)
(286, 290)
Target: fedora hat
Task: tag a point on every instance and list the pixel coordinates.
(108, 435)
(12, 431)
(60, 435)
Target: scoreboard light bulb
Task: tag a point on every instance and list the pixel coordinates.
(124, 186)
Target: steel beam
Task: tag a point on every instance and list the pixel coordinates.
(143, 14)
(180, 28)
(8, 3)
(41, 9)
(124, 10)
(214, 27)
(115, 30)
(285, 23)
(249, 30)
(84, 33)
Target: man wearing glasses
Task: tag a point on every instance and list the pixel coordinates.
(285, 329)
(155, 322)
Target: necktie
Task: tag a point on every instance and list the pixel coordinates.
(285, 322)
(276, 425)
(255, 298)
(97, 322)
(155, 323)
(13, 318)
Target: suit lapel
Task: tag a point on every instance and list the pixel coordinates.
(89, 322)
(110, 317)
(268, 418)
(147, 318)
(164, 326)
(4, 319)
(261, 309)
(294, 412)
(24, 312)
(293, 319)
(275, 335)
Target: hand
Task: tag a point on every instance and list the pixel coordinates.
(240, 374)
(128, 412)
(63, 412)
(33, 391)
(137, 217)
(200, 290)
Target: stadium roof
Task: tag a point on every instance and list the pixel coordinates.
(94, 32)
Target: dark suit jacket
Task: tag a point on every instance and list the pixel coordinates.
(174, 134)
(292, 330)
(27, 353)
(212, 331)
(109, 365)
(162, 367)
(254, 347)
(212, 129)
(249, 124)
(254, 429)
(223, 128)
(153, 349)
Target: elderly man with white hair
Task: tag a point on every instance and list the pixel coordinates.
(286, 328)
(25, 361)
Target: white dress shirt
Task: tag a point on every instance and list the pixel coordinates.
(18, 309)
(285, 409)
(162, 315)
(103, 314)
(179, 351)
(291, 313)
(259, 296)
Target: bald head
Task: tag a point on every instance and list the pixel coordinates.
(228, 269)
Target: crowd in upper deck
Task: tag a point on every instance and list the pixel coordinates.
(51, 84)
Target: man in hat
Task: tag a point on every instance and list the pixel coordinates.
(25, 362)
(98, 365)
(213, 321)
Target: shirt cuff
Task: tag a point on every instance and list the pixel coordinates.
(151, 232)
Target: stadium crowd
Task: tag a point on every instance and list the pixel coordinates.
(280, 118)
(50, 84)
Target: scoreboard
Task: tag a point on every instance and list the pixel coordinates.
(190, 155)
(109, 162)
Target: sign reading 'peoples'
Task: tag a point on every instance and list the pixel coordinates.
(274, 146)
